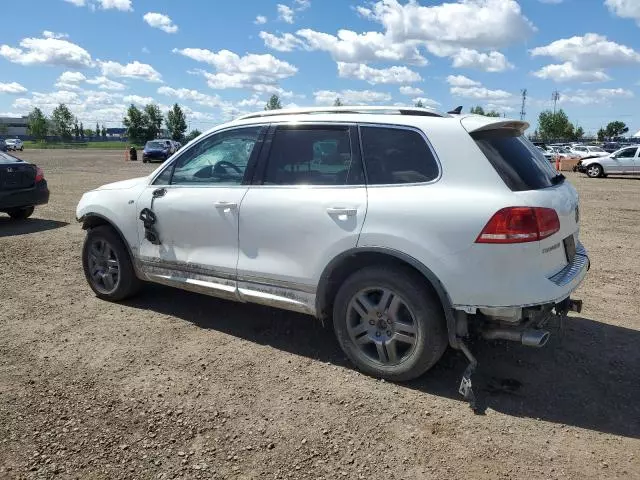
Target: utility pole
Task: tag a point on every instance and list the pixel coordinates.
(523, 113)
(555, 97)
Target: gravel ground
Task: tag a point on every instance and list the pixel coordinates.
(173, 384)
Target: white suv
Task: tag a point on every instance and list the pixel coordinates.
(409, 228)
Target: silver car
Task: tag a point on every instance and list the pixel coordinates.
(625, 161)
(14, 144)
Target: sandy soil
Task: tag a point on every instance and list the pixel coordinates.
(172, 384)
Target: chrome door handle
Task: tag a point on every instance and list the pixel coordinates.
(349, 212)
(226, 206)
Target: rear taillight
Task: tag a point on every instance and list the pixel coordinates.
(39, 174)
(519, 225)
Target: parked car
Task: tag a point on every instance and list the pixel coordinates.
(156, 150)
(611, 146)
(14, 144)
(584, 151)
(409, 229)
(22, 187)
(547, 152)
(3, 145)
(625, 161)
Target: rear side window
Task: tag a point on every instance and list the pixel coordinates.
(396, 155)
(520, 165)
(312, 156)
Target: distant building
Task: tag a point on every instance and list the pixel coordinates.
(116, 132)
(13, 126)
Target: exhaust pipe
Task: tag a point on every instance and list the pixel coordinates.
(528, 338)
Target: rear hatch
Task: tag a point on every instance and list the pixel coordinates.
(535, 183)
(15, 174)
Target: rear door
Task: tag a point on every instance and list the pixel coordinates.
(306, 206)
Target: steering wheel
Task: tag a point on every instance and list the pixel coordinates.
(225, 164)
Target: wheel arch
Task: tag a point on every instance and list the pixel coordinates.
(351, 260)
(93, 220)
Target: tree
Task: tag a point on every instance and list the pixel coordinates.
(37, 124)
(602, 135)
(419, 104)
(556, 126)
(135, 124)
(492, 113)
(89, 133)
(176, 123)
(477, 110)
(104, 131)
(192, 134)
(81, 131)
(152, 118)
(273, 103)
(616, 129)
(62, 120)
(97, 130)
(338, 102)
(578, 134)
(76, 128)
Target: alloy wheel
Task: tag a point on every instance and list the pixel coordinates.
(382, 326)
(104, 266)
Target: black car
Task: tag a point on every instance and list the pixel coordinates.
(3, 145)
(22, 187)
(156, 150)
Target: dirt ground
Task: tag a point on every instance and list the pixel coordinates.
(173, 384)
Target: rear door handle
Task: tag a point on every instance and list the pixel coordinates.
(349, 212)
(226, 206)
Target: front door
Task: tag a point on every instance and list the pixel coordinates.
(191, 237)
(309, 207)
(622, 162)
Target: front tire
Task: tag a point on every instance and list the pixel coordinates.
(107, 265)
(21, 213)
(594, 171)
(389, 324)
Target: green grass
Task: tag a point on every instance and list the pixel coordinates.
(80, 145)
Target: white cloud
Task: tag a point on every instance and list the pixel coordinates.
(427, 102)
(161, 21)
(193, 95)
(475, 24)
(375, 76)
(285, 13)
(138, 100)
(553, 2)
(122, 5)
(591, 97)
(406, 90)
(253, 101)
(625, 8)
(461, 81)
(351, 47)
(106, 84)
(591, 51)
(135, 69)
(47, 51)
(50, 34)
(260, 20)
(13, 88)
(286, 43)
(351, 97)
(71, 77)
(302, 4)
(252, 71)
(489, 62)
(77, 3)
(567, 72)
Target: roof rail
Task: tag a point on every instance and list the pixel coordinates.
(418, 111)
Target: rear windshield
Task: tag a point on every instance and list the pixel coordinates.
(155, 145)
(5, 158)
(519, 163)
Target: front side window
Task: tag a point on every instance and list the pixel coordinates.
(310, 155)
(396, 156)
(220, 159)
(627, 153)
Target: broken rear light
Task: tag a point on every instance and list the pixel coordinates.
(520, 225)
(39, 174)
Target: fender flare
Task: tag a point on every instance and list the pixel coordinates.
(431, 277)
(109, 222)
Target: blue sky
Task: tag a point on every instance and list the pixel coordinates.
(219, 59)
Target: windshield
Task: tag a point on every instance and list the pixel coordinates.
(519, 163)
(158, 145)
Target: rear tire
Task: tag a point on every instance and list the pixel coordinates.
(21, 213)
(594, 171)
(107, 265)
(389, 324)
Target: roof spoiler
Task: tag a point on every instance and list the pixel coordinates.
(456, 111)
